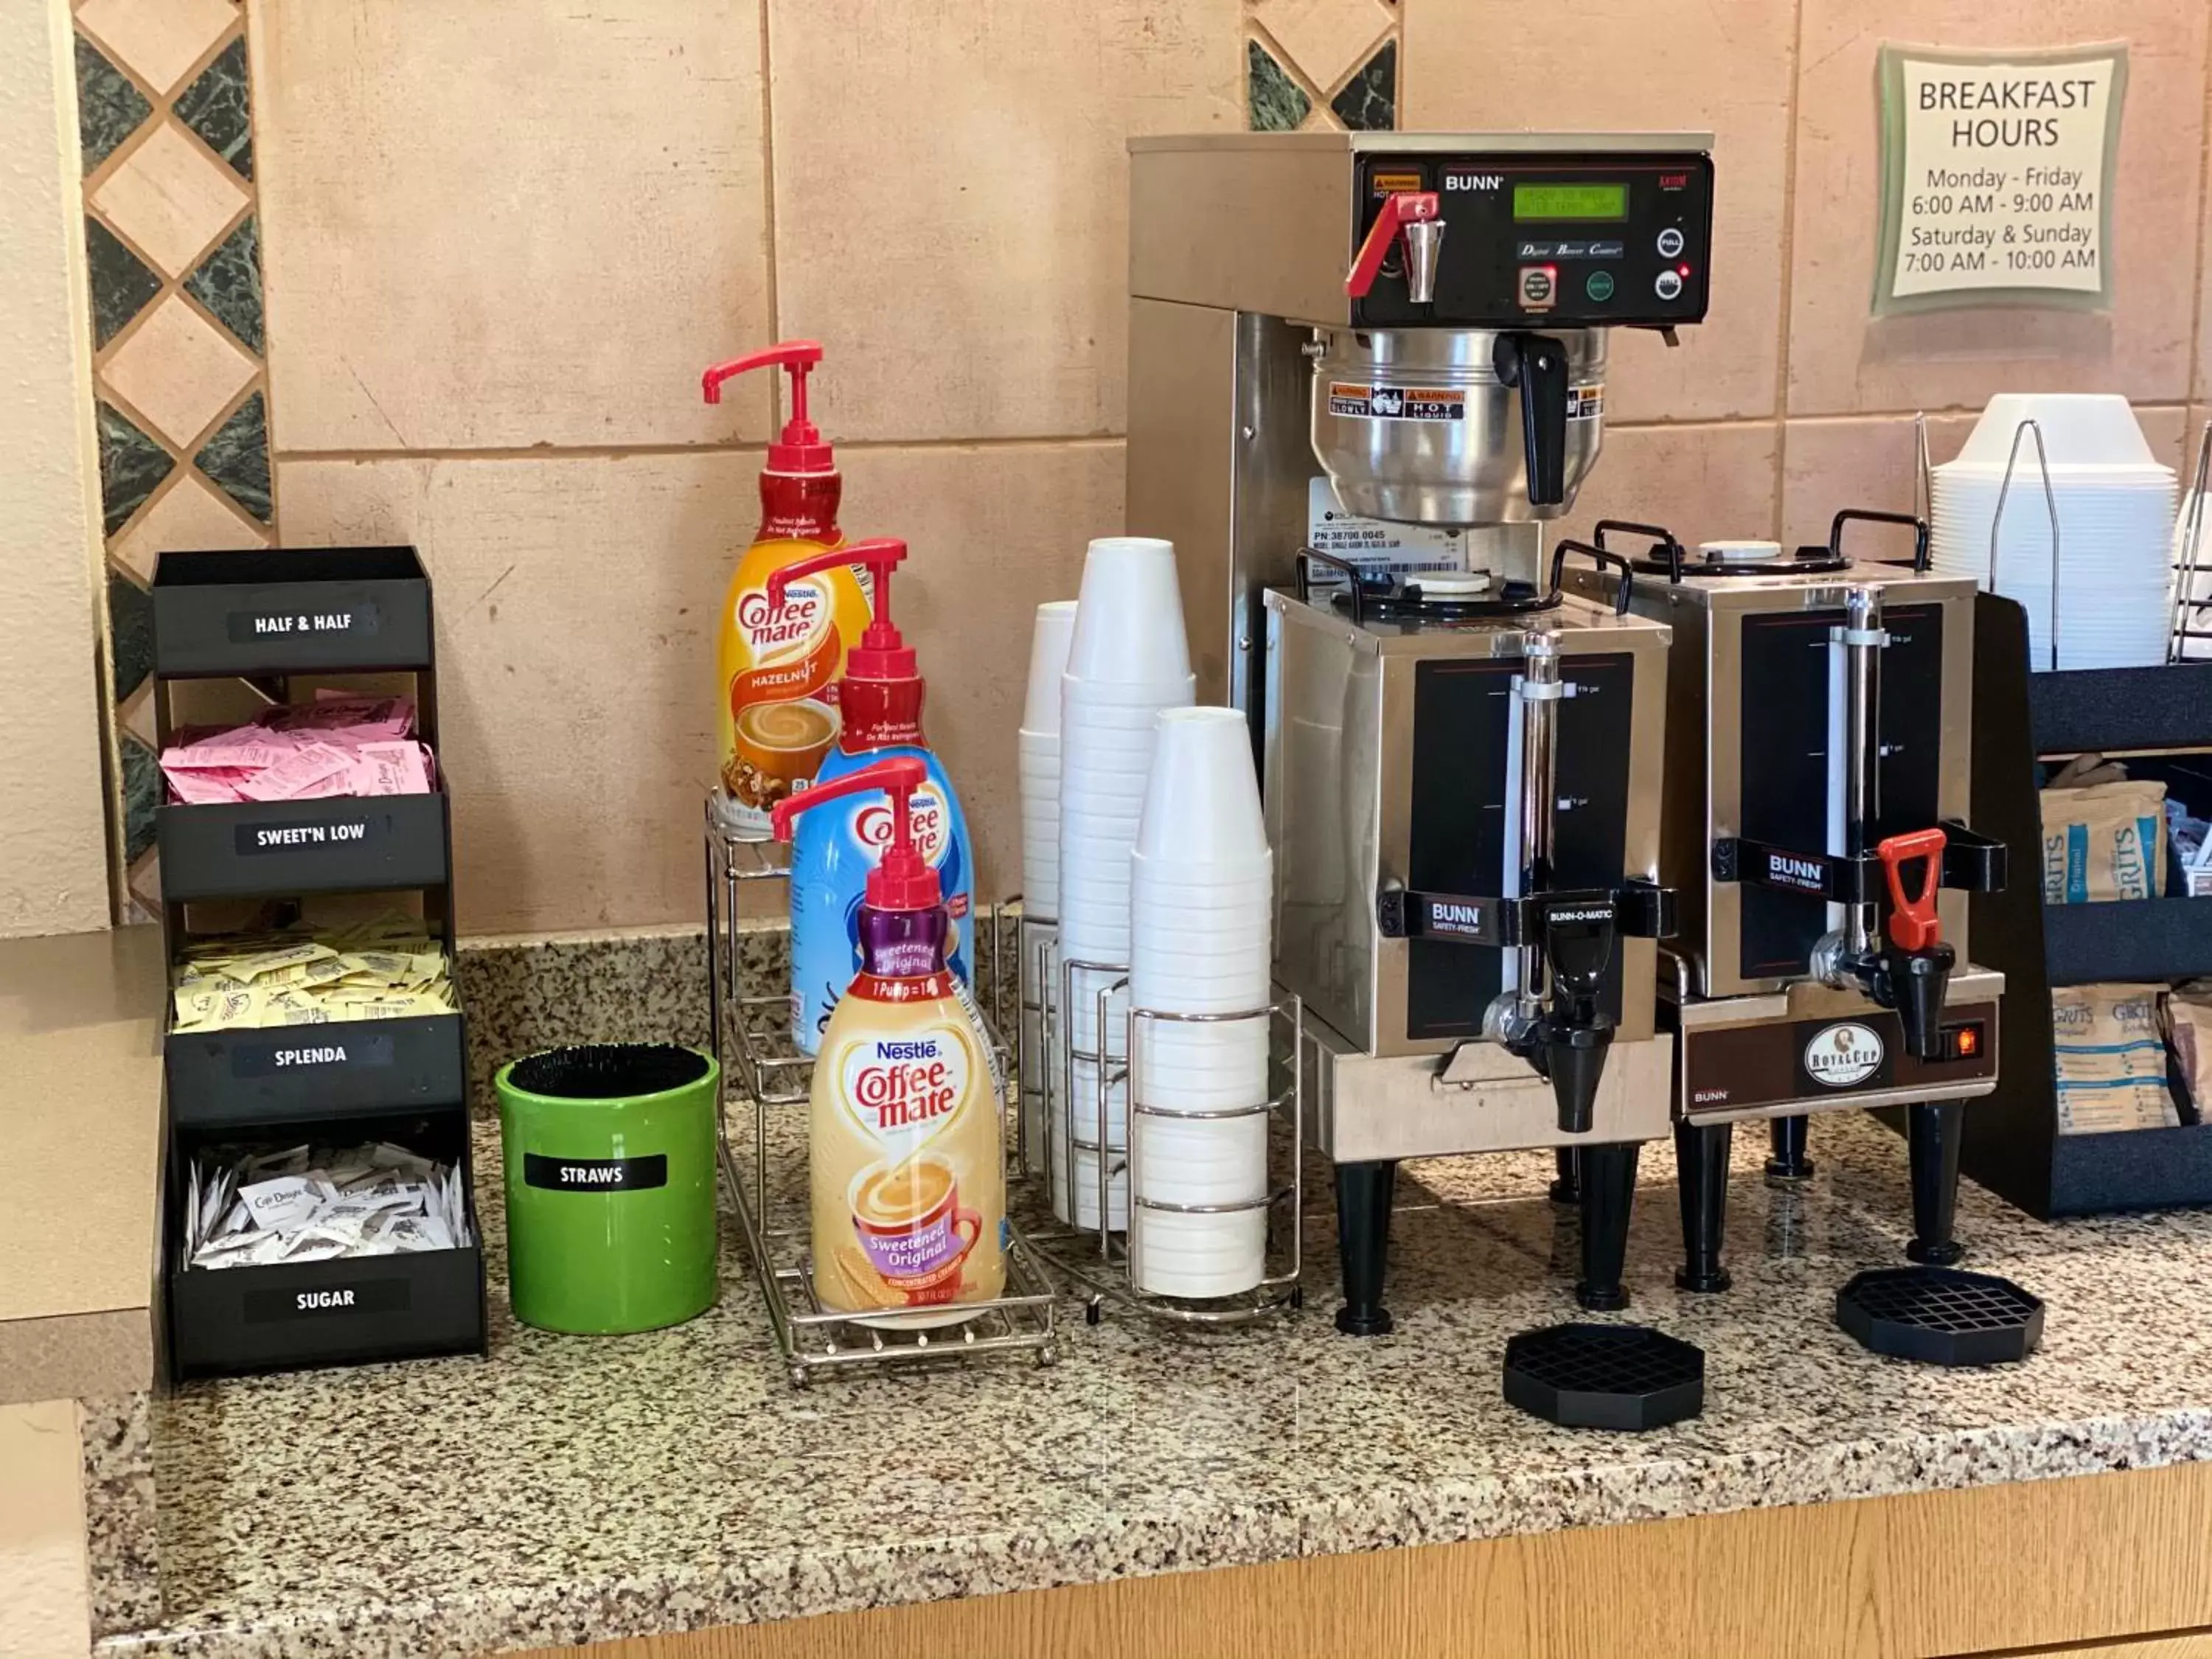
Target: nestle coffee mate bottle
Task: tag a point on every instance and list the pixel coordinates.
(780, 660)
(879, 704)
(906, 1155)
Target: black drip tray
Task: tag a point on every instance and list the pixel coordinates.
(1940, 1316)
(1605, 1376)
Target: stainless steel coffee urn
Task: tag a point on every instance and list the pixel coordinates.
(1364, 369)
(1820, 708)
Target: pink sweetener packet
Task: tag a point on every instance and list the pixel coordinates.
(250, 757)
(379, 716)
(293, 777)
(391, 769)
(212, 787)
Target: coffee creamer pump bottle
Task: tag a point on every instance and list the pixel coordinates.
(779, 658)
(879, 702)
(906, 1154)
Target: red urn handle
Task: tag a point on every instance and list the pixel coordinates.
(1913, 923)
(1400, 209)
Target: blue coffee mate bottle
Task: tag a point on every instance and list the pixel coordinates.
(879, 706)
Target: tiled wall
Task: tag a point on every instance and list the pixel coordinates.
(500, 239)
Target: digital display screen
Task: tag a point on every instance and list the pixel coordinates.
(1570, 201)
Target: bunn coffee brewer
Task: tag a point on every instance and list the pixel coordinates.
(1332, 335)
(1818, 725)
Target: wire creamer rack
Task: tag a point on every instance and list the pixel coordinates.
(763, 1074)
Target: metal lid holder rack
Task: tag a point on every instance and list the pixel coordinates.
(764, 1074)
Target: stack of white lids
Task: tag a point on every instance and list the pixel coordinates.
(2115, 509)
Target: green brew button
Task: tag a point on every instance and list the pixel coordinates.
(1600, 285)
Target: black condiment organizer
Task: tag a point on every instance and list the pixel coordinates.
(2012, 1144)
(270, 619)
(224, 1320)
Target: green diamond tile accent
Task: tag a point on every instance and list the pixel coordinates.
(236, 459)
(142, 793)
(1275, 102)
(216, 107)
(1369, 102)
(122, 283)
(109, 108)
(130, 632)
(131, 465)
(228, 283)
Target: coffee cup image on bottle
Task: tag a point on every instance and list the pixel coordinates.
(780, 746)
(908, 1220)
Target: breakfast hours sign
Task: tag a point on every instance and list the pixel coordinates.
(1997, 176)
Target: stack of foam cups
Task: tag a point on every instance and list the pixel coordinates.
(1202, 881)
(1127, 661)
(1040, 787)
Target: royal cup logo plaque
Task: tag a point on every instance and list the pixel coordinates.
(1843, 1056)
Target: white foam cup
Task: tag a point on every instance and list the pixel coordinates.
(1128, 621)
(1050, 636)
(1202, 800)
(1200, 1160)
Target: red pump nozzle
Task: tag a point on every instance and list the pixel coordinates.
(882, 653)
(1913, 923)
(801, 448)
(904, 880)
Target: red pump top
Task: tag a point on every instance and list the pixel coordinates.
(883, 653)
(882, 691)
(801, 448)
(905, 879)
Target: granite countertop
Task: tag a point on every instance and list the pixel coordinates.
(569, 1490)
(80, 1026)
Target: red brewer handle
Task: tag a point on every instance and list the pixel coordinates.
(884, 554)
(1398, 208)
(1913, 923)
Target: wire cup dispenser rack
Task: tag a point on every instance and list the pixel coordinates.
(1054, 1143)
(763, 1073)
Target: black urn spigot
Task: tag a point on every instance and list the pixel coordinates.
(1567, 1042)
(1915, 984)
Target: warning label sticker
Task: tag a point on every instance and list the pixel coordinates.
(1586, 403)
(1394, 402)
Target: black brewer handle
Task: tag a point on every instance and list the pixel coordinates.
(1351, 573)
(1663, 542)
(1868, 515)
(1536, 365)
(1600, 557)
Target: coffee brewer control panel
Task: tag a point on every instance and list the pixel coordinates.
(1529, 240)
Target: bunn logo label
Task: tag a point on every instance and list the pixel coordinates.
(1456, 918)
(1475, 181)
(1795, 871)
(1844, 1056)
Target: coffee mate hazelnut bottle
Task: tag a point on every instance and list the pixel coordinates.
(780, 659)
(906, 1153)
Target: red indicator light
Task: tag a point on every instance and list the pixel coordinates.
(1683, 269)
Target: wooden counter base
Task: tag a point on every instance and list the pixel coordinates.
(1988, 1571)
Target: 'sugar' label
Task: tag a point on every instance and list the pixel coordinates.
(364, 1296)
(292, 837)
(359, 619)
(1394, 402)
(309, 1056)
(594, 1174)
